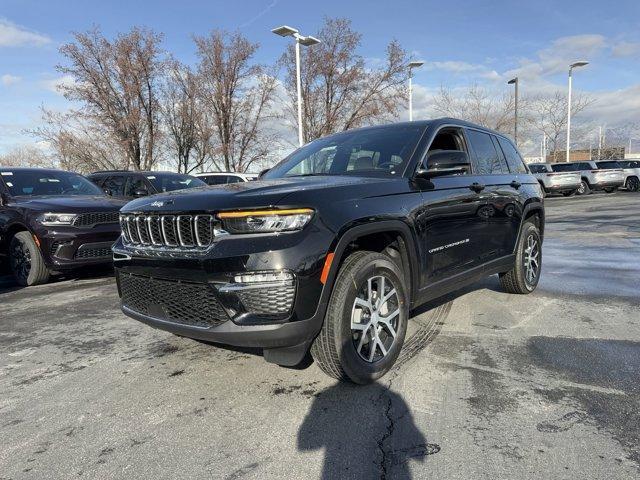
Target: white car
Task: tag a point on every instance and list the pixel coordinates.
(631, 169)
(566, 183)
(592, 176)
(221, 178)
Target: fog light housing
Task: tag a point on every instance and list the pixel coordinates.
(264, 277)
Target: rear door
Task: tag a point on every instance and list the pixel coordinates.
(501, 213)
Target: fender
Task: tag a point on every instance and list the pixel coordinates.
(375, 227)
(538, 208)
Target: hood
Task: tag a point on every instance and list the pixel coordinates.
(69, 204)
(261, 193)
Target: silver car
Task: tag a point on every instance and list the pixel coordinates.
(566, 183)
(631, 169)
(592, 177)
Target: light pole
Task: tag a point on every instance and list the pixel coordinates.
(571, 67)
(514, 81)
(411, 66)
(307, 41)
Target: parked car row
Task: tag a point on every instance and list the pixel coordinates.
(53, 221)
(584, 177)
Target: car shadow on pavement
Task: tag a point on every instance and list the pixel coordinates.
(365, 432)
(8, 285)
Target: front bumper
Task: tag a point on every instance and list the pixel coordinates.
(69, 247)
(198, 296)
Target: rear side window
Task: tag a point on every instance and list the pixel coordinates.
(487, 160)
(538, 168)
(564, 167)
(609, 165)
(514, 160)
(214, 179)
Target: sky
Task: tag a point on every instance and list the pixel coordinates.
(462, 42)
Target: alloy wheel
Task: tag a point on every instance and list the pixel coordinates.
(375, 318)
(531, 259)
(581, 188)
(20, 259)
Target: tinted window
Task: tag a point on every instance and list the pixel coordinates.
(115, 185)
(608, 165)
(538, 168)
(487, 161)
(35, 183)
(214, 179)
(629, 164)
(585, 166)
(233, 179)
(134, 184)
(375, 151)
(514, 160)
(564, 167)
(168, 182)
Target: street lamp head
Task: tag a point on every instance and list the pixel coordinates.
(513, 81)
(285, 31)
(415, 64)
(308, 41)
(581, 63)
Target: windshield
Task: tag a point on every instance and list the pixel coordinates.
(371, 152)
(168, 182)
(46, 182)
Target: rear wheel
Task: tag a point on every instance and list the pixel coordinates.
(524, 276)
(25, 259)
(583, 188)
(366, 319)
(632, 184)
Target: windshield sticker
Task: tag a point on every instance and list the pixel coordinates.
(6, 173)
(151, 177)
(9, 184)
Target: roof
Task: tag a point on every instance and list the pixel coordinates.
(142, 172)
(32, 169)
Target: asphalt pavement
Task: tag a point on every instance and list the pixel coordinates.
(491, 385)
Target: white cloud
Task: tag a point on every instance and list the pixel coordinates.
(625, 49)
(8, 79)
(454, 66)
(54, 85)
(12, 35)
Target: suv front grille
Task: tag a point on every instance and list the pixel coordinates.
(94, 252)
(186, 303)
(173, 231)
(87, 220)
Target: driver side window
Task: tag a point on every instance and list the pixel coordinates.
(448, 138)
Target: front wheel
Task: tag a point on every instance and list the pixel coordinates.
(366, 320)
(25, 259)
(524, 276)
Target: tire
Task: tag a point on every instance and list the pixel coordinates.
(632, 184)
(570, 193)
(26, 262)
(518, 280)
(610, 190)
(352, 354)
(583, 188)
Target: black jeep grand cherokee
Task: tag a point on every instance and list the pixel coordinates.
(333, 247)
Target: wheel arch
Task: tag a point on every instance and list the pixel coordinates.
(8, 234)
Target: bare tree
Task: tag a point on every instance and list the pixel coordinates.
(189, 131)
(478, 105)
(116, 84)
(549, 116)
(27, 156)
(239, 94)
(339, 90)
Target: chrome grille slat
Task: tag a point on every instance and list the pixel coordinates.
(168, 232)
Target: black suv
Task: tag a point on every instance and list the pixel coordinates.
(332, 248)
(129, 185)
(52, 220)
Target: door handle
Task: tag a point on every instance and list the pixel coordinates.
(476, 187)
(515, 184)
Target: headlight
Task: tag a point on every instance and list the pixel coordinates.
(265, 221)
(53, 219)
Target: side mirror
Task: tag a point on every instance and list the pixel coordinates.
(263, 172)
(140, 193)
(444, 162)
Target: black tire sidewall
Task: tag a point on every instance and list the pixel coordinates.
(24, 238)
(358, 370)
(529, 229)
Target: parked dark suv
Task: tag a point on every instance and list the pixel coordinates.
(333, 247)
(52, 220)
(129, 185)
